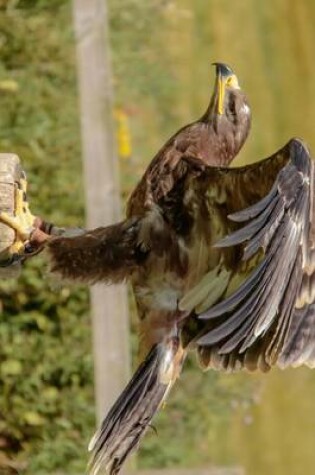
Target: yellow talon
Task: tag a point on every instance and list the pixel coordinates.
(16, 224)
(22, 221)
(17, 247)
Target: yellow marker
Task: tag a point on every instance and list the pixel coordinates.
(123, 135)
(9, 85)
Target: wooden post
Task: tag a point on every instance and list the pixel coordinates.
(10, 174)
(108, 304)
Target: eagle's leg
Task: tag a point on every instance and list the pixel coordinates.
(107, 254)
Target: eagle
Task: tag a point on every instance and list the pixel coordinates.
(221, 261)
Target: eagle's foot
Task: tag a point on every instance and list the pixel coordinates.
(22, 222)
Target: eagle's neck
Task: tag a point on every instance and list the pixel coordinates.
(226, 133)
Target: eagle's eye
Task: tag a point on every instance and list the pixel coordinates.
(232, 82)
(229, 81)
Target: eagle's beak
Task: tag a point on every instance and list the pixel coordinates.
(225, 77)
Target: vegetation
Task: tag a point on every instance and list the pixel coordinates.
(161, 55)
(46, 384)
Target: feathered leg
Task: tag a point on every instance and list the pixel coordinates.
(107, 254)
(133, 411)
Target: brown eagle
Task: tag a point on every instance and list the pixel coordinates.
(221, 261)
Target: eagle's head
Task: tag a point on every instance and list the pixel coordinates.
(228, 113)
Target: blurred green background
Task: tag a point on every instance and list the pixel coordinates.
(161, 54)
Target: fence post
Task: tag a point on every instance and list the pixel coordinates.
(108, 304)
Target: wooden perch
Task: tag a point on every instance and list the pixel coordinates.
(10, 174)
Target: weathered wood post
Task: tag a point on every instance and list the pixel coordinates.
(108, 304)
(10, 174)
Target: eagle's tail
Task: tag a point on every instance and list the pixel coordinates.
(130, 416)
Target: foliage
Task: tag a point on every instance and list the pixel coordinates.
(46, 394)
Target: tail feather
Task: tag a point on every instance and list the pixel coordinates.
(133, 411)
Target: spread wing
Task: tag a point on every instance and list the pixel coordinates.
(265, 314)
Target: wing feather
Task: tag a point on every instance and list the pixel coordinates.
(270, 317)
